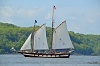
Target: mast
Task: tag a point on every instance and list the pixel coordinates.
(32, 40)
(52, 26)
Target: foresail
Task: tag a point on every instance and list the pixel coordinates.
(40, 40)
(27, 44)
(61, 39)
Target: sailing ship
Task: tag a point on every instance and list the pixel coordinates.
(36, 44)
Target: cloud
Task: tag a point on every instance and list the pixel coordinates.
(48, 16)
(74, 18)
(6, 12)
(90, 20)
(27, 12)
(10, 14)
(75, 27)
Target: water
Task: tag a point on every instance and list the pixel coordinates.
(20, 60)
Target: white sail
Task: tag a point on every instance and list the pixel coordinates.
(61, 39)
(27, 44)
(40, 40)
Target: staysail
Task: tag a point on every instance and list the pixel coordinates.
(40, 40)
(61, 39)
(27, 44)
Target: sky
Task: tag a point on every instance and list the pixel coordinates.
(82, 16)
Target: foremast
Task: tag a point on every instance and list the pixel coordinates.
(32, 37)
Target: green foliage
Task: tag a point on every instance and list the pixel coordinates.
(86, 44)
(14, 36)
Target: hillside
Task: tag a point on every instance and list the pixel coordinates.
(14, 36)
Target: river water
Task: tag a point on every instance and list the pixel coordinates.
(20, 60)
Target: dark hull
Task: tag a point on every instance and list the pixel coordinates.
(43, 55)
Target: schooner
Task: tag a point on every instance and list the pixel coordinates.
(36, 44)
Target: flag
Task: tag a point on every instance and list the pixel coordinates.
(54, 7)
(35, 21)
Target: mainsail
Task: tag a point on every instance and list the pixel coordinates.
(40, 40)
(61, 39)
(27, 44)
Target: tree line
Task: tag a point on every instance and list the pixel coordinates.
(14, 36)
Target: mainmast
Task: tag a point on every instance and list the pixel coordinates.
(52, 26)
(32, 40)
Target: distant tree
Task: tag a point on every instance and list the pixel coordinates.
(14, 36)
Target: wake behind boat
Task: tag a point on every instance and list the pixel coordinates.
(36, 44)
